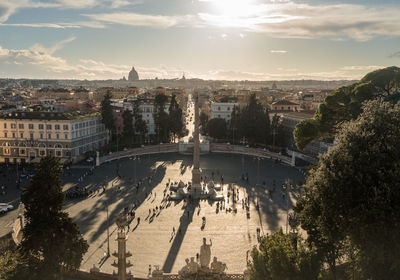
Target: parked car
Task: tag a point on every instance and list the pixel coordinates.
(5, 207)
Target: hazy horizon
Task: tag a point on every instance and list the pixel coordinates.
(255, 40)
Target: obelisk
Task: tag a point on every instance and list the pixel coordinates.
(196, 182)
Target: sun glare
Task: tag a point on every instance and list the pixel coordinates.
(235, 8)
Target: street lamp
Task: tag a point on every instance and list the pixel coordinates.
(108, 232)
(287, 184)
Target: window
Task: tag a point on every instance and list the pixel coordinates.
(49, 136)
(5, 134)
(76, 126)
(48, 126)
(13, 125)
(13, 135)
(57, 127)
(219, 108)
(42, 152)
(41, 126)
(41, 135)
(65, 126)
(5, 125)
(31, 136)
(22, 151)
(66, 136)
(229, 108)
(31, 126)
(58, 136)
(58, 153)
(21, 135)
(21, 126)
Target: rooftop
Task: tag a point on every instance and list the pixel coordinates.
(284, 102)
(45, 115)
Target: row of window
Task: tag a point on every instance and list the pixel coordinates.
(85, 124)
(41, 152)
(21, 135)
(40, 126)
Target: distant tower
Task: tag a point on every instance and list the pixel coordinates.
(133, 75)
(183, 76)
(274, 86)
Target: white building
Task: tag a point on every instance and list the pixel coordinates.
(146, 107)
(222, 110)
(28, 136)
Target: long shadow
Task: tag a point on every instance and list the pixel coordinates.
(176, 245)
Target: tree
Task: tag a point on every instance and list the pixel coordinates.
(128, 131)
(161, 118)
(203, 122)
(140, 124)
(175, 116)
(251, 122)
(345, 104)
(284, 257)
(352, 196)
(51, 241)
(217, 128)
(107, 116)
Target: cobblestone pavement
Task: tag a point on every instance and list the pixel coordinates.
(152, 241)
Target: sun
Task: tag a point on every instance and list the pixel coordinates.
(235, 8)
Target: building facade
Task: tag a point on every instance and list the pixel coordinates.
(222, 110)
(29, 136)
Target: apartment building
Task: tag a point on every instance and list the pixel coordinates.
(29, 136)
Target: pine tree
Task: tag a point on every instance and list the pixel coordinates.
(51, 242)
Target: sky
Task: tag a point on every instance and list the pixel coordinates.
(207, 39)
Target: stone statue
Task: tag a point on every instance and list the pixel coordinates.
(185, 269)
(122, 222)
(205, 253)
(193, 266)
(217, 266)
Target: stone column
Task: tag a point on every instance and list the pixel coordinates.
(121, 255)
(196, 182)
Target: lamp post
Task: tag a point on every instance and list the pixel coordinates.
(108, 233)
(287, 184)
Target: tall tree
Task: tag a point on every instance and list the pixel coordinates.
(175, 116)
(128, 131)
(51, 241)
(161, 118)
(107, 116)
(251, 122)
(345, 104)
(353, 195)
(217, 128)
(203, 122)
(140, 124)
(284, 257)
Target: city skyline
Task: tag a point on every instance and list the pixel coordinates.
(208, 39)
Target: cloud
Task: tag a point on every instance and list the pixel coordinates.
(135, 19)
(278, 51)
(395, 54)
(294, 20)
(362, 68)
